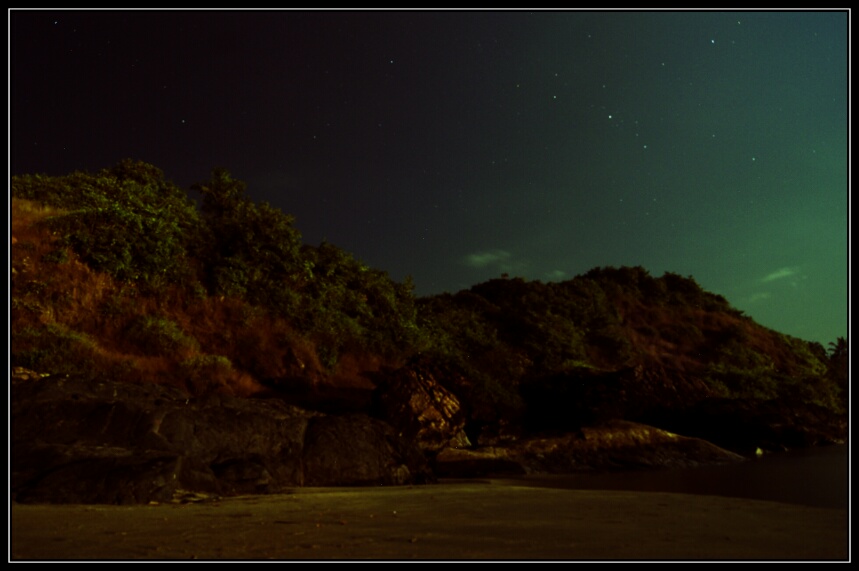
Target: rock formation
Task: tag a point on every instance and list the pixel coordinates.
(78, 441)
(413, 401)
(74, 441)
(612, 445)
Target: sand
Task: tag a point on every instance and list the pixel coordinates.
(475, 520)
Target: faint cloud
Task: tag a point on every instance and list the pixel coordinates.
(498, 258)
(556, 275)
(759, 296)
(779, 274)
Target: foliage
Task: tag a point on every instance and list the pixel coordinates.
(205, 373)
(348, 306)
(130, 223)
(509, 333)
(126, 221)
(838, 369)
(152, 335)
(247, 250)
(121, 272)
(253, 252)
(58, 256)
(57, 349)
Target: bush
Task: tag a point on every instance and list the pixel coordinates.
(57, 350)
(204, 374)
(247, 250)
(158, 336)
(126, 221)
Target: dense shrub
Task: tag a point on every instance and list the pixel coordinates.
(205, 374)
(153, 336)
(126, 221)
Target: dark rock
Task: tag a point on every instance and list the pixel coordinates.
(76, 441)
(743, 425)
(357, 450)
(497, 433)
(620, 444)
(318, 396)
(613, 445)
(677, 401)
(480, 462)
(584, 396)
(106, 475)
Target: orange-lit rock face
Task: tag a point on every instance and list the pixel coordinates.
(414, 402)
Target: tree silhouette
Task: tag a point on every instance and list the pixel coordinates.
(839, 366)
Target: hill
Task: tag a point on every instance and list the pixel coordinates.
(122, 276)
(120, 273)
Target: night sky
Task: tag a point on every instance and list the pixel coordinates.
(457, 146)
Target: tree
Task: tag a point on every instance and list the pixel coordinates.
(248, 249)
(839, 366)
(839, 356)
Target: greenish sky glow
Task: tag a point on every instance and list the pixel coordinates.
(457, 146)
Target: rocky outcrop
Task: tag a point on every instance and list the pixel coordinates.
(679, 402)
(744, 425)
(413, 401)
(75, 441)
(356, 450)
(612, 445)
(584, 396)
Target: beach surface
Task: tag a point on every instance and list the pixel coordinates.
(492, 519)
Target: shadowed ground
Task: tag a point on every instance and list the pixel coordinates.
(490, 519)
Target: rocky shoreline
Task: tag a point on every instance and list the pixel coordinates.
(83, 442)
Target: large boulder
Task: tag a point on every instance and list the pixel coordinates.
(77, 441)
(357, 450)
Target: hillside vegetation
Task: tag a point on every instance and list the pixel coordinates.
(122, 275)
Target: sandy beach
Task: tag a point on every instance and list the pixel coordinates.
(475, 520)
